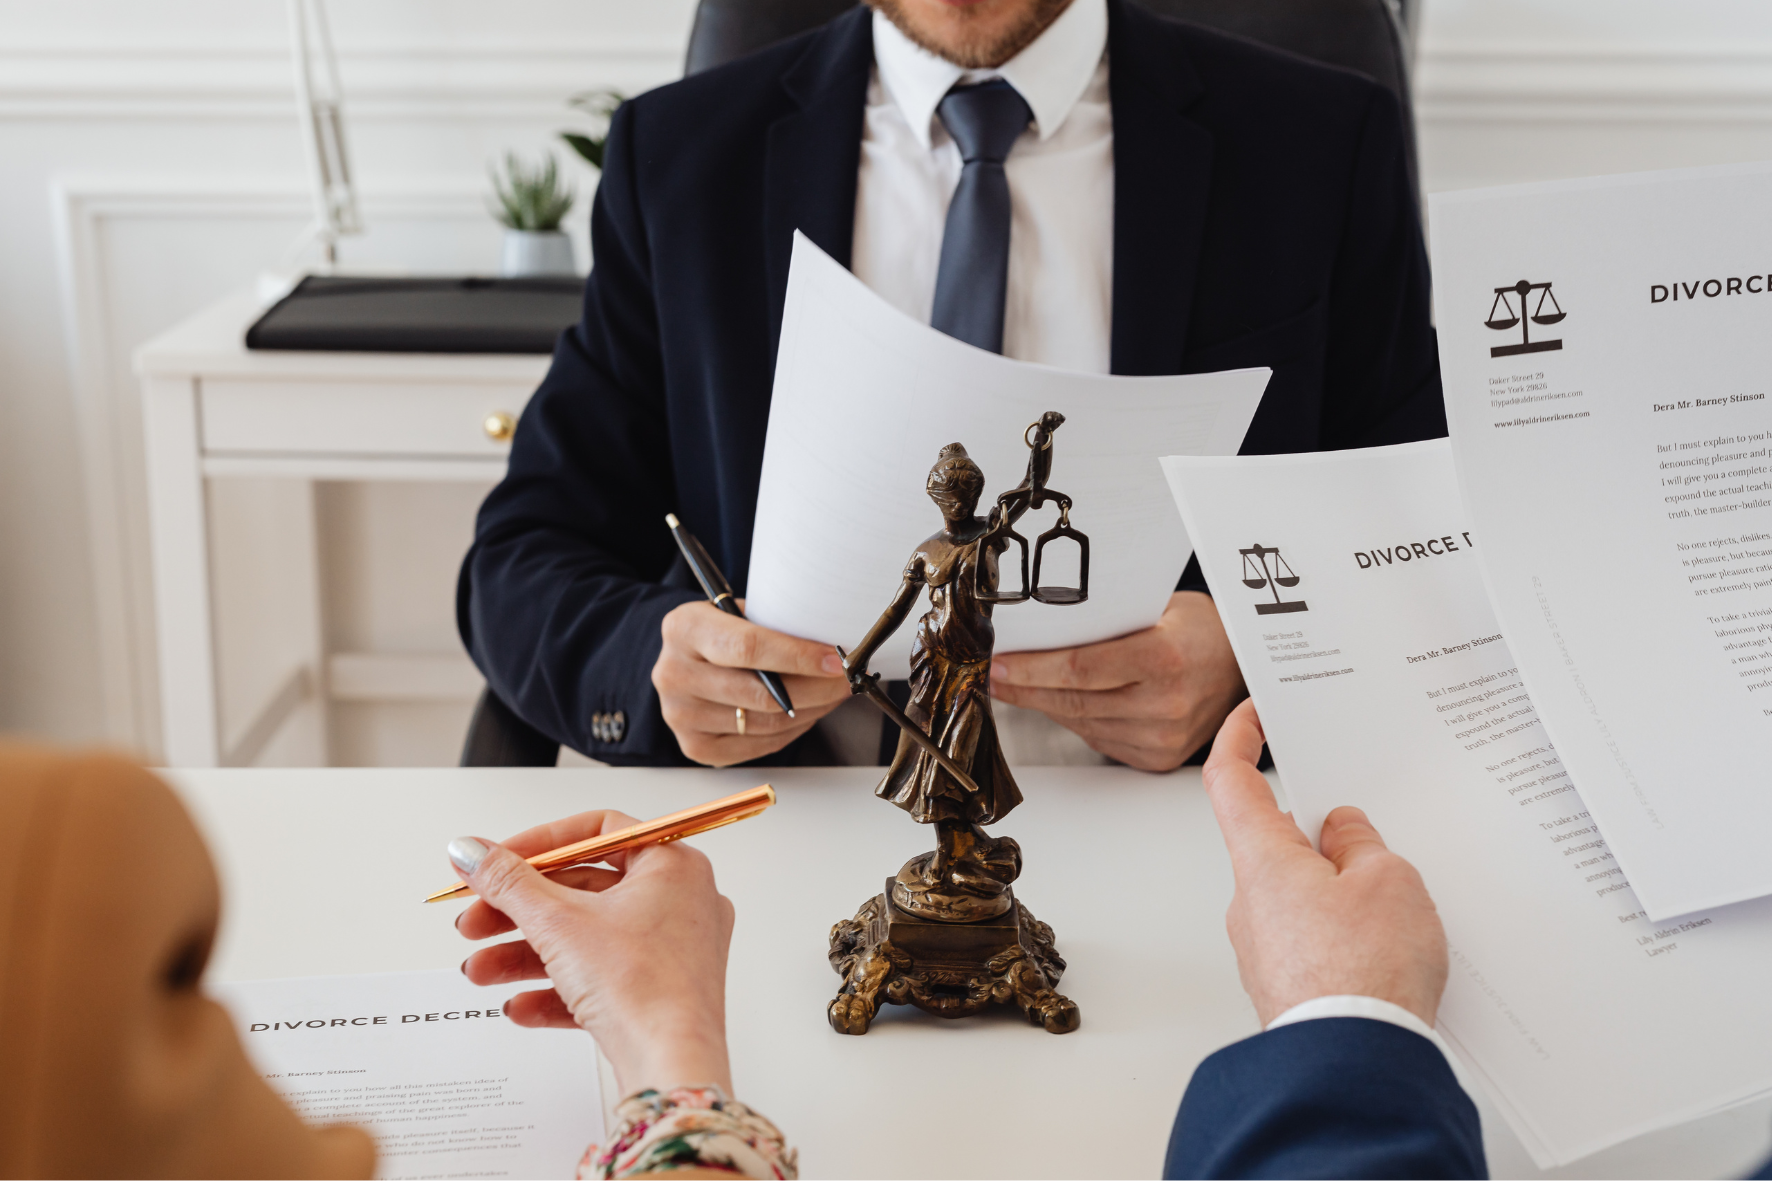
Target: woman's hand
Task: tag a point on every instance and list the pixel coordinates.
(704, 676)
(636, 954)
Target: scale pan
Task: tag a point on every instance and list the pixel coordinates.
(1062, 596)
(1501, 325)
(1549, 318)
(1255, 583)
(1288, 582)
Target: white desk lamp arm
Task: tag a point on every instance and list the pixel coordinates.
(320, 108)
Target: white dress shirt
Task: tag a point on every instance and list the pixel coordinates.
(1059, 309)
(1358, 1006)
(1059, 306)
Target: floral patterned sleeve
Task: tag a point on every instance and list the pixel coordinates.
(689, 1128)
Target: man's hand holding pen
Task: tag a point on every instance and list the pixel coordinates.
(720, 677)
(704, 676)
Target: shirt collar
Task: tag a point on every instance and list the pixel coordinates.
(1051, 74)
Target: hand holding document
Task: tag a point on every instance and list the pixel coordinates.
(1604, 346)
(1349, 586)
(430, 1065)
(864, 400)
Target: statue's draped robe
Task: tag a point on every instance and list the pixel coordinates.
(950, 694)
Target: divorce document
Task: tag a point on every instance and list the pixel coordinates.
(864, 400)
(1349, 586)
(430, 1065)
(1605, 346)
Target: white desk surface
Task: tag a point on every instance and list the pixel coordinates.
(323, 870)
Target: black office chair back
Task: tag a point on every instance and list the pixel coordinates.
(726, 30)
(1370, 36)
(497, 737)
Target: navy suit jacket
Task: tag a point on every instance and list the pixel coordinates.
(1334, 1097)
(1262, 216)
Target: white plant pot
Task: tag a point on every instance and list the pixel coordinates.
(537, 252)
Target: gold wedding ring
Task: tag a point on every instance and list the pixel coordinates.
(741, 720)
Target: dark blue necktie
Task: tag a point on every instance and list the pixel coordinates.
(984, 121)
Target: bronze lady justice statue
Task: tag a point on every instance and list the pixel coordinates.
(948, 935)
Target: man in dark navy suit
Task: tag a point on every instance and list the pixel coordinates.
(1074, 182)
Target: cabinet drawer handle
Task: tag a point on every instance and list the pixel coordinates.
(499, 426)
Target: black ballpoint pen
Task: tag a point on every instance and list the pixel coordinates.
(719, 593)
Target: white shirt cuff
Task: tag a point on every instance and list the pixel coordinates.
(1359, 1006)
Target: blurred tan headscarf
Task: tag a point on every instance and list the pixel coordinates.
(112, 1062)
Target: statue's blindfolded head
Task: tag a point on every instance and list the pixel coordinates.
(955, 480)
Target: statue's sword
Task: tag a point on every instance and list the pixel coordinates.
(868, 684)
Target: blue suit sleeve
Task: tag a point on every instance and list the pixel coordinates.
(562, 593)
(1333, 1097)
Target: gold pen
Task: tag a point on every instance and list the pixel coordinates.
(687, 823)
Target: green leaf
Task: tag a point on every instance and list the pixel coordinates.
(601, 106)
(584, 145)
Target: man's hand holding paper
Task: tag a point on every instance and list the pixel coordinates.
(1149, 699)
(1351, 920)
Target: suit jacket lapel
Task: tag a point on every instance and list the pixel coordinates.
(814, 153)
(1162, 180)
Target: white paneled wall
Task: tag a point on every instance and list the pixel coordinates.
(1519, 90)
(149, 164)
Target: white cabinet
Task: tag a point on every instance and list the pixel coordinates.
(213, 408)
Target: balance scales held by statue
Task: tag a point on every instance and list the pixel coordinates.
(948, 934)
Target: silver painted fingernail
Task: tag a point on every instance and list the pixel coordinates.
(466, 854)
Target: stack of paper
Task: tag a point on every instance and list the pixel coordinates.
(1390, 688)
(1545, 669)
(1618, 474)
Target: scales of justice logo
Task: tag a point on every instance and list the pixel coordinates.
(1502, 317)
(1259, 574)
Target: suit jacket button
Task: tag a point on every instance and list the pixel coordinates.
(618, 726)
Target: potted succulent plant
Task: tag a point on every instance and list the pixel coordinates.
(531, 203)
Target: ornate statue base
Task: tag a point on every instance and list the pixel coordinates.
(888, 955)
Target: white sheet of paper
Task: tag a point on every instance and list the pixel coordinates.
(866, 397)
(1618, 477)
(429, 1064)
(1392, 690)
